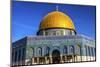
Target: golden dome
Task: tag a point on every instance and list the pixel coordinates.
(56, 19)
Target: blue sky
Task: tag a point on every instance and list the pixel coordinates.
(26, 17)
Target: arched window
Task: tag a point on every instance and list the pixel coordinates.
(72, 49)
(65, 50)
(40, 51)
(47, 51)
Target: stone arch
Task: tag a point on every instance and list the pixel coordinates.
(56, 56)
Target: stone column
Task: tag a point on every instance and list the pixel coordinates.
(76, 58)
(33, 60)
(50, 59)
(46, 60)
(65, 58)
(73, 60)
(37, 60)
(61, 59)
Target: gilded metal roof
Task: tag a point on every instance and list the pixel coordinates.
(56, 19)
